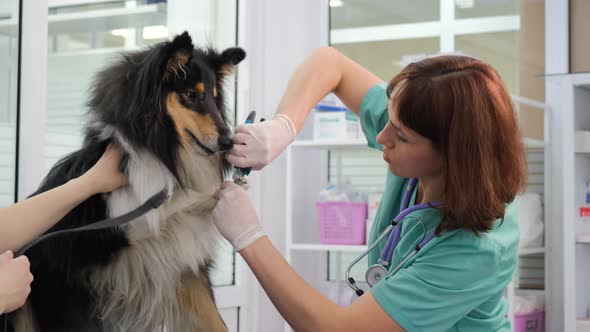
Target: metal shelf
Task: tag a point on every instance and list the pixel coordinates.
(531, 251)
(531, 143)
(327, 247)
(528, 291)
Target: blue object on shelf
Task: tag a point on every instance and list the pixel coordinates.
(330, 108)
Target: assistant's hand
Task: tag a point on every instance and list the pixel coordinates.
(235, 217)
(15, 281)
(256, 145)
(105, 176)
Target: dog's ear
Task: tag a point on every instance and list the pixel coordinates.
(180, 51)
(227, 61)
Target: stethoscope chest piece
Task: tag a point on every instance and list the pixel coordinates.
(374, 274)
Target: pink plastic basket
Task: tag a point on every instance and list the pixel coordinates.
(531, 322)
(342, 222)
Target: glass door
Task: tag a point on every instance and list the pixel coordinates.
(9, 40)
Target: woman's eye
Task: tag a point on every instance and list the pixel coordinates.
(402, 139)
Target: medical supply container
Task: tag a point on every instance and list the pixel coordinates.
(342, 222)
(342, 214)
(333, 121)
(529, 313)
(530, 322)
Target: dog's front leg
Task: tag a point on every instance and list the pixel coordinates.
(190, 202)
(197, 301)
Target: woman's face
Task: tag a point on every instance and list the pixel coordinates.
(408, 154)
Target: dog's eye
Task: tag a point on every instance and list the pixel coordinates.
(190, 95)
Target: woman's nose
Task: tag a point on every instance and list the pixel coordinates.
(385, 137)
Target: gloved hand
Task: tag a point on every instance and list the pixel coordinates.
(256, 145)
(235, 217)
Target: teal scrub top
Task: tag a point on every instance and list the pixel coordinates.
(457, 281)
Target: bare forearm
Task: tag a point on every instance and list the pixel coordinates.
(304, 308)
(313, 79)
(26, 220)
(325, 70)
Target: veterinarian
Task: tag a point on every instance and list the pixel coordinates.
(447, 122)
(26, 220)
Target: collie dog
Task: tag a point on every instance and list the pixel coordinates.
(164, 108)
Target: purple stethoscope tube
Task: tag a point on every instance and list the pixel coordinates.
(379, 271)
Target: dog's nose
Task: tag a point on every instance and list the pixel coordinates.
(225, 143)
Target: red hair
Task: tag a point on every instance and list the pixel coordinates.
(463, 107)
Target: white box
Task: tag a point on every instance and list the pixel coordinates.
(335, 124)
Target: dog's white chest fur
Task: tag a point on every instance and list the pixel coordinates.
(139, 290)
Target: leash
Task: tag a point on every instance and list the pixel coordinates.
(152, 203)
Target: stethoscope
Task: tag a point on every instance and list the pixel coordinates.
(378, 272)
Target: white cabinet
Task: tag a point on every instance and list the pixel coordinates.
(569, 233)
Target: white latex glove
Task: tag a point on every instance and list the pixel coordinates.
(235, 217)
(15, 281)
(257, 144)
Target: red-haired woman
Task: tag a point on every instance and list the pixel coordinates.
(446, 123)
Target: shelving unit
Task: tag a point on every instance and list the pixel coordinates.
(303, 250)
(569, 239)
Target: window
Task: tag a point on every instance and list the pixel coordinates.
(85, 36)
(386, 35)
(9, 42)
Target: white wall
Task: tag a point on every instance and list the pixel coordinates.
(556, 277)
(33, 96)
